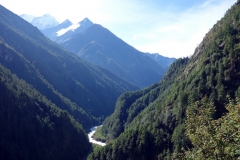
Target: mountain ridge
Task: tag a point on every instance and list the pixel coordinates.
(101, 47)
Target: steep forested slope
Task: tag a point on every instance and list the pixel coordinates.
(32, 127)
(130, 104)
(158, 130)
(86, 91)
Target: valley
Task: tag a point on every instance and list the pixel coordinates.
(66, 86)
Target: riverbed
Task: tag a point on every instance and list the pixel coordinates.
(90, 134)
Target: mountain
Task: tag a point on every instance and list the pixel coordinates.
(28, 18)
(74, 29)
(52, 33)
(101, 47)
(153, 123)
(45, 21)
(85, 91)
(32, 127)
(163, 61)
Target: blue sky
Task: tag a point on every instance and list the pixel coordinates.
(171, 28)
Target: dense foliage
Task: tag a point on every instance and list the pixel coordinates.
(128, 106)
(86, 91)
(32, 127)
(139, 116)
(213, 139)
(213, 72)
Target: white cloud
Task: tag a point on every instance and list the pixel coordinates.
(180, 37)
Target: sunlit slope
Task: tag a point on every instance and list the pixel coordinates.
(157, 131)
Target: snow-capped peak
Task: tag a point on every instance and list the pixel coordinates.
(45, 21)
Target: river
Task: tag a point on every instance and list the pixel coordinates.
(91, 140)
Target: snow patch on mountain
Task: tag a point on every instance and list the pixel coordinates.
(64, 30)
(75, 28)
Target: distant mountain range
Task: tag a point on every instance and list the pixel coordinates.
(101, 47)
(98, 45)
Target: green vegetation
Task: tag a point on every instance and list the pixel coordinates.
(213, 139)
(48, 95)
(98, 135)
(151, 124)
(147, 134)
(127, 108)
(32, 127)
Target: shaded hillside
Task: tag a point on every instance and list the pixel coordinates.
(32, 127)
(84, 90)
(101, 47)
(158, 130)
